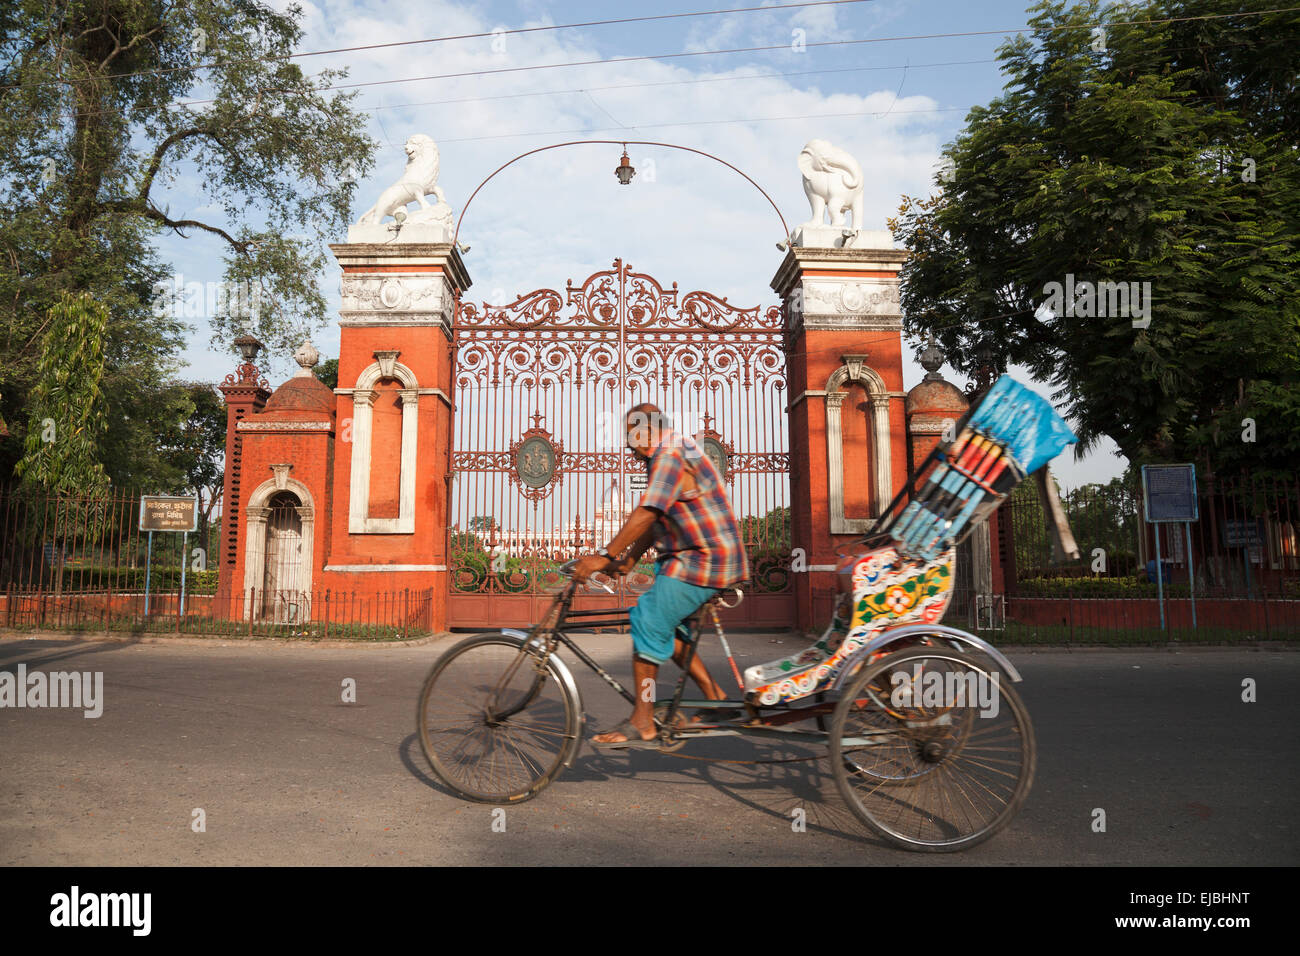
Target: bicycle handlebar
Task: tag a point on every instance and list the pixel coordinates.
(567, 570)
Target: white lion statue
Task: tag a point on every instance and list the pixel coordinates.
(832, 180)
(420, 178)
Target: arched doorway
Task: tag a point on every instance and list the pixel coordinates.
(279, 542)
(283, 601)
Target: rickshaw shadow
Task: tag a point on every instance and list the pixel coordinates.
(774, 789)
(414, 760)
(771, 778)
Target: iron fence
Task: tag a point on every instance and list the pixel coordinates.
(79, 544)
(1241, 576)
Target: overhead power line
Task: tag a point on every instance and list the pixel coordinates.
(760, 49)
(725, 122)
(481, 36)
(703, 79)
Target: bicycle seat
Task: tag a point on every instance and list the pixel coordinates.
(735, 591)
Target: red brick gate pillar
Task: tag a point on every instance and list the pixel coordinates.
(246, 394)
(848, 445)
(388, 515)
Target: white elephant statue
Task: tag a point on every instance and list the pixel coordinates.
(832, 180)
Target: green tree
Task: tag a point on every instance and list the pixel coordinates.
(106, 108)
(62, 478)
(1106, 517)
(196, 447)
(1153, 152)
(62, 453)
(770, 532)
(328, 372)
(485, 524)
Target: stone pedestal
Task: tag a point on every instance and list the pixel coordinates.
(841, 237)
(389, 512)
(847, 433)
(409, 233)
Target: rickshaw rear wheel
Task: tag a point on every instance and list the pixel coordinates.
(925, 778)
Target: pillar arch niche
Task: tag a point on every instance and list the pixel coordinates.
(386, 366)
(856, 370)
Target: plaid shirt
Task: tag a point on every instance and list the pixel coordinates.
(699, 539)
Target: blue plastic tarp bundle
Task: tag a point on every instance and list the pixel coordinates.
(1012, 424)
(1024, 422)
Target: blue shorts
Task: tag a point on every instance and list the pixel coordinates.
(658, 614)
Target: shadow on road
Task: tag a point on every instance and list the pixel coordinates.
(788, 781)
(13, 653)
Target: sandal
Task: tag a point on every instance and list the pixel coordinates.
(634, 739)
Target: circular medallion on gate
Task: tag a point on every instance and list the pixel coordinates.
(717, 454)
(535, 462)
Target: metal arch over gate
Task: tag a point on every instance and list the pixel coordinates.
(539, 471)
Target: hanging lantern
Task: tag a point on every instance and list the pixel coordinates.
(625, 170)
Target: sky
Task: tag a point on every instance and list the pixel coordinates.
(893, 102)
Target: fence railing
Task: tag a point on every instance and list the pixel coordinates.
(322, 615)
(88, 544)
(1245, 545)
(1071, 618)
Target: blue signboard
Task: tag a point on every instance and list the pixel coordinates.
(1169, 492)
(1243, 534)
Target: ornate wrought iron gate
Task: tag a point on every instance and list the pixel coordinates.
(539, 469)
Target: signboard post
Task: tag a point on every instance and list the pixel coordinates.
(167, 513)
(1169, 495)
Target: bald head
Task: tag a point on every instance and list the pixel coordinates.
(645, 423)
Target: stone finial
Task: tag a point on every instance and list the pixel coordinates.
(307, 357)
(931, 360)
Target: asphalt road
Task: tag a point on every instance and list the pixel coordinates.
(259, 738)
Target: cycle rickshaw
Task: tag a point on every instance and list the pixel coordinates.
(928, 740)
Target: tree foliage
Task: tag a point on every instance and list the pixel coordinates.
(122, 120)
(328, 372)
(67, 415)
(1152, 152)
(195, 446)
